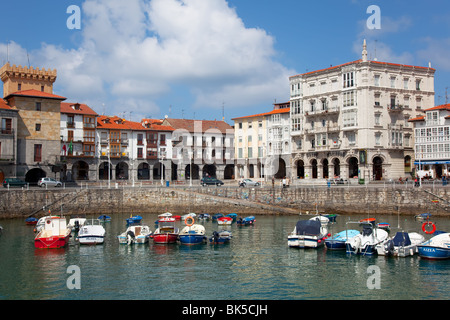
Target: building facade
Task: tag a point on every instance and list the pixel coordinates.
(8, 140)
(432, 142)
(351, 120)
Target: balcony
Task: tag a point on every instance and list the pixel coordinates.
(394, 107)
(70, 124)
(7, 132)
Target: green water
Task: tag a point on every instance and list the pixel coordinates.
(257, 264)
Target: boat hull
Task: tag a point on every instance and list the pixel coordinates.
(91, 239)
(53, 242)
(434, 253)
(164, 238)
(368, 250)
(305, 241)
(335, 244)
(192, 239)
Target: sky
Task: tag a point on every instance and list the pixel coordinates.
(213, 59)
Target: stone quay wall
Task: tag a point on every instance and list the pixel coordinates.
(341, 200)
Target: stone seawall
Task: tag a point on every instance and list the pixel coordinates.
(342, 200)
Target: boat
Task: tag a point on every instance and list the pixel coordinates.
(232, 215)
(204, 216)
(331, 217)
(135, 234)
(247, 221)
(92, 232)
(337, 241)
(134, 220)
(189, 215)
(308, 234)
(217, 216)
(224, 220)
(221, 237)
(41, 223)
(422, 216)
(104, 218)
(76, 221)
(367, 220)
(31, 221)
(437, 248)
(54, 234)
(192, 234)
(166, 232)
(403, 244)
(384, 225)
(365, 243)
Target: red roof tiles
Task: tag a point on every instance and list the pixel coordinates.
(275, 111)
(36, 94)
(67, 107)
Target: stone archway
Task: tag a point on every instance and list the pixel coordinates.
(337, 167)
(80, 171)
(281, 173)
(229, 172)
(144, 171)
(377, 168)
(300, 169)
(122, 171)
(325, 169)
(209, 170)
(313, 169)
(103, 171)
(33, 175)
(353, 167)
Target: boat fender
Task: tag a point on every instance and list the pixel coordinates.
(426, 224)
(190, 223)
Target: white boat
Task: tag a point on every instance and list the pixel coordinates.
(194, 234)
(92, 232)
(436, 248)
(309, 233)
(135, 234)
(225, 221)
(366, 242)
(403, 244)
(41, 223)
(76, 222)
(54, 234)
(192, 215)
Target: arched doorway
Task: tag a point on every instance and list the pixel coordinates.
(33, 176)
(195, 172)
(300, 169)
(143, 171)
(80, 171)
(353, 167)
(209, 170)
(122, 171)
(229, 172)
(174, 167)
(103, 171)
(281, 173)
(377, 168)
(314, 169)
(337, 167)
(325, 168)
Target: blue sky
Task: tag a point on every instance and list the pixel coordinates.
(190, 58)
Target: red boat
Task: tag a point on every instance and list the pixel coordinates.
(167, 232)
(54, 234)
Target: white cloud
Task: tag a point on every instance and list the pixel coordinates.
(436, 52)
(133, 52)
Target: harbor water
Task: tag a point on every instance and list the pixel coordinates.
(256, 265)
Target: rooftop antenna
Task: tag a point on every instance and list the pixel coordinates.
(375, 58)
(223, 110)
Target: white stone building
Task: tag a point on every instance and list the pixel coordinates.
(351, 120)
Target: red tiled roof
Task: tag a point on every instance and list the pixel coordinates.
(441, 107)
(275, 111)
(420, 118)
(191, 125)
(67, 107)
(36, 94)
(117, 123)
(3, 105)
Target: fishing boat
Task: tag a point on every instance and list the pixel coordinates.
(76, 221)
(422, 216)
(92, 232)
(31, 221)
(135, 234)
(104, 218)
(365, 243)
(204, 216)
(192, 234)
(225, 220)
(437, 248)
(134, 220)
(403, 244)
(166, 232)
(337, 241)
(247, 221)
(41, 223)
(308, 234)
(54, 234)
(221, 237)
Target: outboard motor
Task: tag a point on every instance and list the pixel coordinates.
(389, 247)
(215, 237)
(130, 237)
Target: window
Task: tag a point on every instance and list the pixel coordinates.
(350, 119)
(250, 125)
(418, 84)
(19, 86)
(89, 136)
(140, 139)
(405, 83)
(377, 99)
(6, 126)
(37, 152)
(392, 82)
(377, 119)
(377, 80)
(38, 127)
(260, 152)
(140, 153)
(240, 125)
(377, 139)
(296, 124)
(38, 106)
(250, 152)
(162, 139)
(240, 155)
(349, 79)
(260, 124)
(349, 99)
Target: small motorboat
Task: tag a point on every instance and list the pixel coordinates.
(135, 234)
(104, 218)
(54, 234)
(367, 220)
(232, 215)
(422, 216)
(337, 241)
(189, 215)
(384, 225)
(166, 232)
(217, 216)
(91, 233)
(221, 237)
(225, 220)
(365, 243)
(41, 223)
(247, 221)
(31, 221)
(204, 216)
(134, 220)
(192, 234)
(308, 234)
(331, 217)
(437, 248)
(76, 221)
(403, 244)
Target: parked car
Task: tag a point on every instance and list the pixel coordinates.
(14, 182)
(248, 183)
(49, 182)
(211, 181)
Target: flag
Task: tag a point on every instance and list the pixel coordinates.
(64, 149)
(70, 147)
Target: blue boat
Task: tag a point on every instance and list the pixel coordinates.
(217, 216)
(423, 216)
(247, 221)
(337, 241)
(191, 235)
(437, 248)
(104, 218)
(31, 221)
(134, 220)
(221, 237)
(232, 216)
(331, 217)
